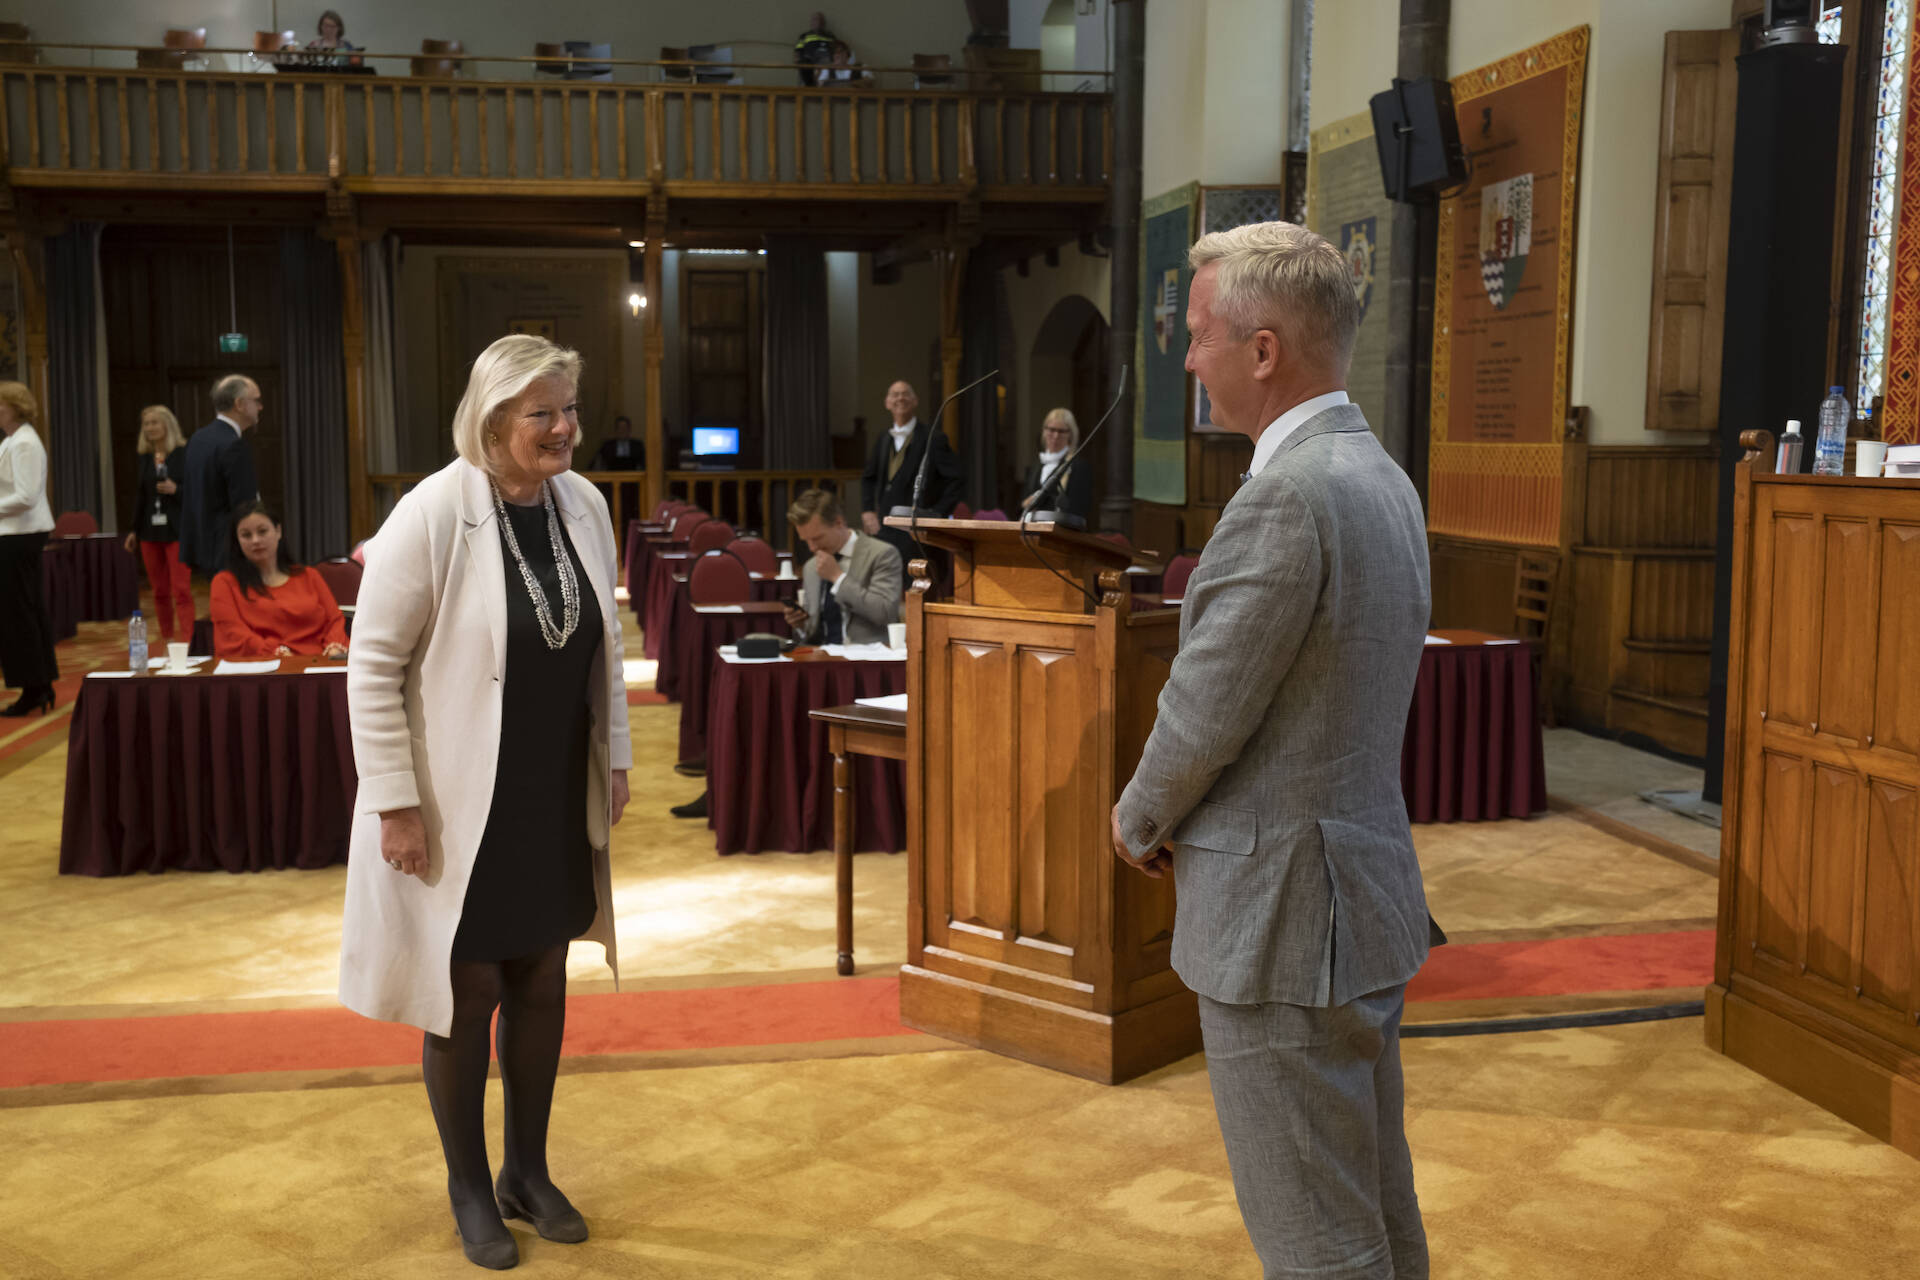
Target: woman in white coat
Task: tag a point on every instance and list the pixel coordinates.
(489, 716)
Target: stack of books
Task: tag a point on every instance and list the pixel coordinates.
(1903, 460)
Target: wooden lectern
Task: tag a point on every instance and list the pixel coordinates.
(1029, 698)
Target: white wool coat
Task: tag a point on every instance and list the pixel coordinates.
(423, 691)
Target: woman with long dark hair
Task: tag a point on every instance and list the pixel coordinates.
(265, 603)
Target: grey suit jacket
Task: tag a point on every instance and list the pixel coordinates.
(871, 598)
(1273, 771)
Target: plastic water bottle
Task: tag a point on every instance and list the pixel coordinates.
(1787, 463)
(136, 642)
(1830, 449)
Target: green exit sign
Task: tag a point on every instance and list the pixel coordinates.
(231, 343)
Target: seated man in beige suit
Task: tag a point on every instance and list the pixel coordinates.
(851, 589)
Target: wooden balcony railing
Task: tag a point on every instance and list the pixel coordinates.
(69, 127)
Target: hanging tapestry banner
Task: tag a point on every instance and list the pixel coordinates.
(1503, 297)
(1900, 374)
(1160, 422)
(1347, 206)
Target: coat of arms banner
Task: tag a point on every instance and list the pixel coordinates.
(1160, 420)
(1503, 296)
(1345, 205)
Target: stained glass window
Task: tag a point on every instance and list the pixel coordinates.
(1883, 203)
(1829, 25)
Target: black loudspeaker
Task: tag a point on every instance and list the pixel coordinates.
(1418, 137)
(1773, 365)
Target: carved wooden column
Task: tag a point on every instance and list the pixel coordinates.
(29, 272)
(353, 359)
(654, 347)
(951, 262)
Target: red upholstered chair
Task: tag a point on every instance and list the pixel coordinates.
(685, 523)
(1173, 585)
(991, 513)
(719, 578)
(710, 535)
(74, 524)
(342, 578)
(961, 511)
(1118, 540)
(663, 509)
(756, 554)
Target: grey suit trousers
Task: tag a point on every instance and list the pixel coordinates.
(1310, 1102)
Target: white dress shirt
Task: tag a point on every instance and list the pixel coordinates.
(902, 434)
(1286, 424)
(23, 483)
(237, 429)
(1049, 463)
(842, 555)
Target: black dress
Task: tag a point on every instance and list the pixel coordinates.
(532, 883)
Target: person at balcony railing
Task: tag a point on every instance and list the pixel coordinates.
(330, 47)
(622, 452)
(892, 464)
(814, 49)
(843, 67)
(265, 604)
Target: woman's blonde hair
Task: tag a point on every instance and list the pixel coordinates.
(500, 376)
(175, 440)
(16, 396)
(1065, 415)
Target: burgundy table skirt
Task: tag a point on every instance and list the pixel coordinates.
(695, 638)
(62, 592)
(654, 608)
(106, 576)
(1473, 748)
(208, 773)
(769, 771)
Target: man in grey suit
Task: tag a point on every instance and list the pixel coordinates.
(851, 589)
(1271, 781)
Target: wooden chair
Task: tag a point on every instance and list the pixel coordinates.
(599, 68)
(927, 69)
(710, 535)
(16, 44)
(674, 53)
(178, 48)
(75, 524)
(1536, 578)
(719, 578)
(757, 554)
(549, 49)
(439, 66)
(267, 44)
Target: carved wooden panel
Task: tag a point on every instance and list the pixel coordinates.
(1672, 597)
(1832, 865)
(1791, 677)
(1782, 858)
(1846, 650)
(980, 887)
(1054, 778)
(1896, 693)
(1890, 931)
(1651, 496)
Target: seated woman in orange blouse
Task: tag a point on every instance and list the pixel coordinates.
(265, 605)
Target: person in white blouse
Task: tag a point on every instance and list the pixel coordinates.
(487, 696)
(26, 630)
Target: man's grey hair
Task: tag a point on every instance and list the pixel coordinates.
(227, 391)
(1283, 277)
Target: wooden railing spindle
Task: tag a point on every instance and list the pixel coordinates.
(399, 131)
(773, 137)
(513, 150)
(126, 129)
(453, 131)
(593, 133)
(273, 134)
(212, 94)
(426, 129)
(906, 137)
(373, 149)
(566, 133)
(539, 135)
(483, 143)
(300, 126)
(880, 142)
(688, 161)
(93, 122)
(716, 153)
(853, 139)
(799, 139)
(620, 128)
(153, 124)
(743, 130)
(826, 139)
(1053, 140)
(935, 165)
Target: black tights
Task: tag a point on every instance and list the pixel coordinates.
(531, 995)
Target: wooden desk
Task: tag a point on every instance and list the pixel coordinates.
(864, 731)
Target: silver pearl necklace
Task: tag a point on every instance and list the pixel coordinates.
(556, 637)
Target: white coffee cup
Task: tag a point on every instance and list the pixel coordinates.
(1871, 457)
(786, 571)
(177, 656)
(896, 635)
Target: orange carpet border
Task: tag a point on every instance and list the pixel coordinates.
(163, 1046)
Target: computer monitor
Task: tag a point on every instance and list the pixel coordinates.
(716, 441)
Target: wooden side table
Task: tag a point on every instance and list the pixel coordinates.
(851, 731)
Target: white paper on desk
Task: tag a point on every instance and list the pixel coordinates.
(1173, 599)
(719, 608)
(228, 667)
(162, 661)
(1438, 640)
(338, 669)
(864, 652)
(1142, 569)
(892, 702)
(728, 653)
(1490, 643)
(108, 675)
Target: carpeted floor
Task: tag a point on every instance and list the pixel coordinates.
(181, 1096)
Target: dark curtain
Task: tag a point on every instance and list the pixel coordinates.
(315, 413)
(795, 361)
(71, 417)
(986, 334)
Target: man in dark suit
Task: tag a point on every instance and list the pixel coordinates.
(1048, 485)
(621, 452)
(219, 473)
(894, 460)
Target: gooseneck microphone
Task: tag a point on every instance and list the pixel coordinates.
(914, 512)
(1055, 482)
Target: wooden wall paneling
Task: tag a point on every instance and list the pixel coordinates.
(1650, 496)
(1779, 881)
(1693, 196)
(1472, 584)
(1792, 670)
(1826, 950)
(1896, 702)
(1889, 948)
(1055, 770)
(1846, 656)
